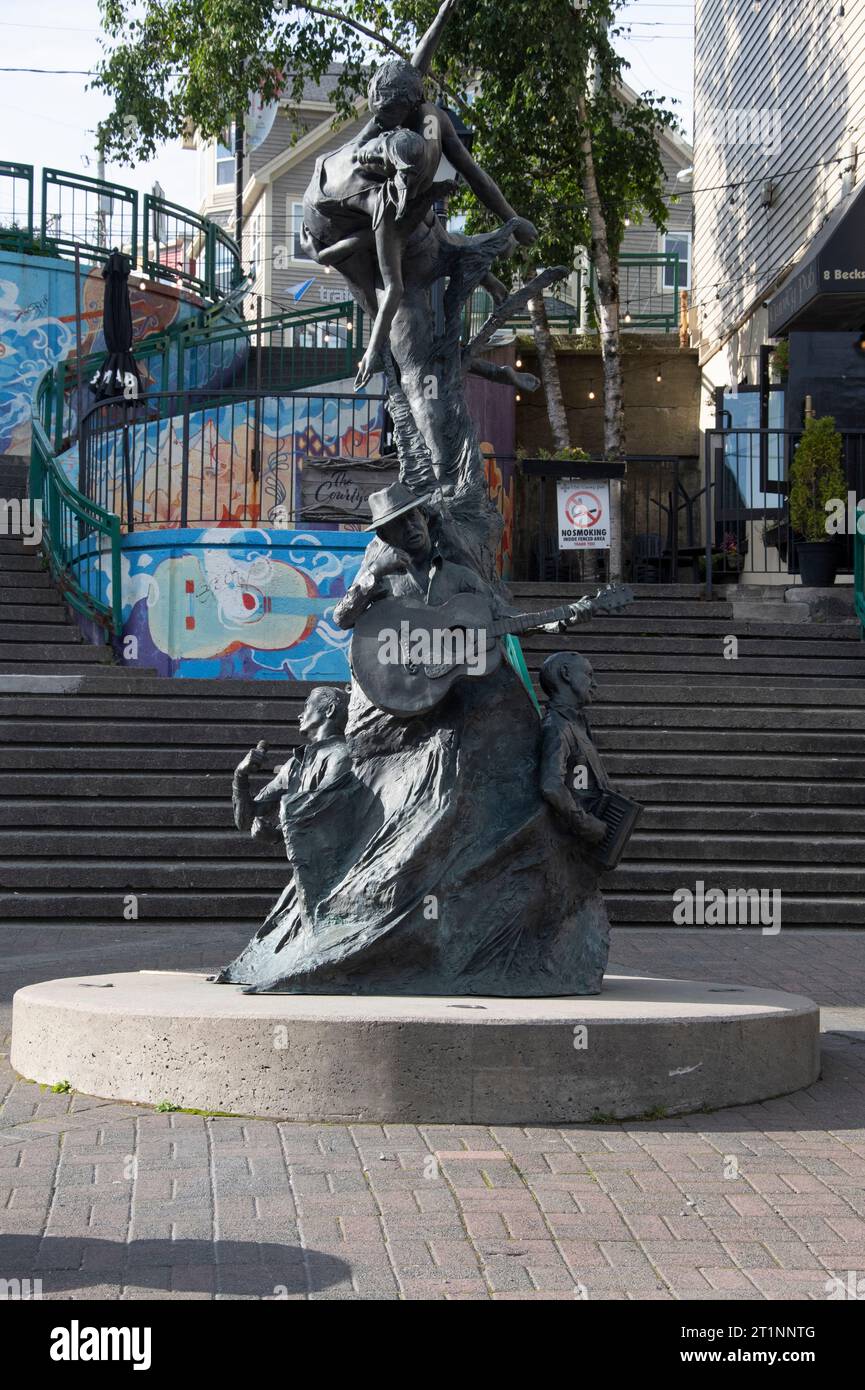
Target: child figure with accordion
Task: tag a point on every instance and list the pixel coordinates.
(573, 779)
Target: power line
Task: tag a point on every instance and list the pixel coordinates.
(55, 72)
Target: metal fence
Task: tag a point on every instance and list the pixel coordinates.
(686, 520)
(748, 518)
(80, 540)
(163, 240)
(649, 285)
(16, 205)
(197, 458)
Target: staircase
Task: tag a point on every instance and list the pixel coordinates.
(751, 770)
(113, 783)
(37, 632)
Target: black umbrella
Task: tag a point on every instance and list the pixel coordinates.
(118, 375)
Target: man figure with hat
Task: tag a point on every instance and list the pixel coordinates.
(405, 560)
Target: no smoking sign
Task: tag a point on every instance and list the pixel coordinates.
(584, 515)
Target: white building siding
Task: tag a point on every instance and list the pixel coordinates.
(801, 66)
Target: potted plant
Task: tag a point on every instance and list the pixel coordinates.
(816, 476)
(726, 561)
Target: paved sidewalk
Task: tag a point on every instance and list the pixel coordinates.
(99, 1199)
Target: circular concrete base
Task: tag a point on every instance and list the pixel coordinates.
(644, 1046)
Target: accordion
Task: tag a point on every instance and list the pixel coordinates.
(620, 815)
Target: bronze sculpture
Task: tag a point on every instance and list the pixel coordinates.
(431, 847)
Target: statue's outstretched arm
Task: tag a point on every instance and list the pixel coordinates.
(423, 54)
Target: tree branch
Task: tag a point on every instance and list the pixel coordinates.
(339, 18)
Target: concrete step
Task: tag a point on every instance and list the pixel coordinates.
(735, 793)
(80, 810)
(807, 821)
(27, 582)
(20, 562)
(194, 814)
(650, 593)
(162, 738)
(602, 650)
(84, 784)
(797, 909)
(782, 851)
(13, 545)
(217, 846)
(42, 613)
(178, 906)
(70, 649)
(54, 632)
(218, 761)
(181, 907)
(139, 681)
(768, 668)
(750, 768)
(647, 876)
(840, 743)
(142, 709)
(45, 728)
(617, 628)
(140, 875)
(780, 696)
(76, 665)
(668, 611)
(34, 588)
(709, 717)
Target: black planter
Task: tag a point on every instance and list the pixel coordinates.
(818, 563)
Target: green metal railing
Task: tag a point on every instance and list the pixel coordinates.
(299, 349)
(304, 348)
(162, 239)
(16, 205)
(480, 306)
(645, 299)
(92, 214)
(76, 533)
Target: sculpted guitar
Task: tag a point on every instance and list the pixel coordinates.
(406, 655)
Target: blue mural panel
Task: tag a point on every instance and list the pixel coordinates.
(239, 602)
(38, 329)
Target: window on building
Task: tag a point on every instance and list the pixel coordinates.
(677, 243)
(255, 248)
(225, 157)
(294, 217)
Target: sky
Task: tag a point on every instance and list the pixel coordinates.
(50, 118)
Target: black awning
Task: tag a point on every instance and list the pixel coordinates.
(827, 290)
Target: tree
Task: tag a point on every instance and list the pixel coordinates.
(553, 125)
(571, 149)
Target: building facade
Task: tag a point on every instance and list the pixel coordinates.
(779, 220)
(282, 149)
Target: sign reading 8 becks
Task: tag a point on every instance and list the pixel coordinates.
(584, 514)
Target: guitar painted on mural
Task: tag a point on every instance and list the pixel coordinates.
(406, 655)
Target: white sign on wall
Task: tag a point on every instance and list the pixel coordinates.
(584, 514)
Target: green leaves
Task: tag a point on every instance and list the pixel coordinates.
(816, 477)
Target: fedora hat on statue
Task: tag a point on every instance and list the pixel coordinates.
(392, 502)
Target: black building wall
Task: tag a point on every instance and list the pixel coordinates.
(829, 368)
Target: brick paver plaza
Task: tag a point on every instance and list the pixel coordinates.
(107, 1200)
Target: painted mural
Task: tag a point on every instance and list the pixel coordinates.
(37, 329)
(139, 472)
(242, 603)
